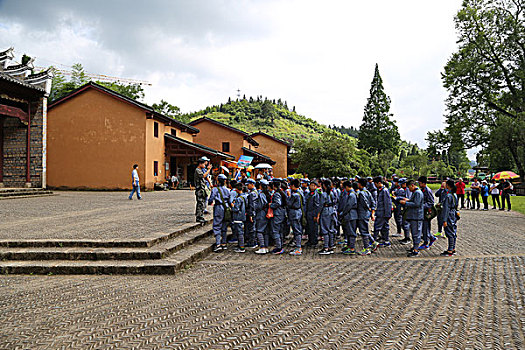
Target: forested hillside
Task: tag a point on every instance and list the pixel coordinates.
(273, 117)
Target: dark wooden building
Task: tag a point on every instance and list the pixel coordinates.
(23, 112)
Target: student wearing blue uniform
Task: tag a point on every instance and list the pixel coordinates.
(403, 193)
(220, 198)
(285, 227)
(394, 190)
(414, 216)
(239, 217)
(336, 188)
(450, 205)
(327, 218)
(312, 208)
(261, 221)
(383, 213)
(278, 205)
(231, 187)
(366, 206)
(428, 202)
(347, 209)
(371, 187)
(295, 212)
(441, 194)
(251, 195)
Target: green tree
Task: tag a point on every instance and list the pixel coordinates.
(377, 132)
(485, 78)
(331, 155)
(268, 111)
(133, 91)
(169, 110)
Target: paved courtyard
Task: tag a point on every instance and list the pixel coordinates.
(95, 215)
(231, 301)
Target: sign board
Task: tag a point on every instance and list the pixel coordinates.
(244, 161)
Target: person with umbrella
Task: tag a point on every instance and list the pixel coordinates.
(505, 186)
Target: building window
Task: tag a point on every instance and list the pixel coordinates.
(174, 132)
(226, 147)
(155, 168)
(155, 129)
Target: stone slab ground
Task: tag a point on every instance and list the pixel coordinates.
(474, 300)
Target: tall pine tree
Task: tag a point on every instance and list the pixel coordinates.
(378, 133)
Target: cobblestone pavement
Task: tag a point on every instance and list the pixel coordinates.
(95, 215)
(241, 301)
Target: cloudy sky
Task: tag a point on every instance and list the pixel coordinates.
(317, 55)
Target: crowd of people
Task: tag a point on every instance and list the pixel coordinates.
(499, 191)
(268, 212)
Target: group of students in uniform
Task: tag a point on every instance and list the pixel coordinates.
(263, 213)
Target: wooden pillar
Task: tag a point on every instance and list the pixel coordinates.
(28, 147)
(1, 152)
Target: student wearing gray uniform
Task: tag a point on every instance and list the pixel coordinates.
(441, 194)
(239, 217)
(403, 193)
(394, 190)
(327, 217)
(450, 205)
(383, 213)
(428, 202)
(312, 200)
(348, 215)
(249, 230)
(414, 216)
(261, 221)
(295, 215)
(278, 205)
(366, 206)
(220, 198)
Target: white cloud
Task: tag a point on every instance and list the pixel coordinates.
(319, 56)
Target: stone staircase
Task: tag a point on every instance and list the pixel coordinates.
(12, 193)
(164, 254)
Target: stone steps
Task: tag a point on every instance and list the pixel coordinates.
(158, 251)
(160, 254)
(99, 243)
(169, 265)
(11, 193)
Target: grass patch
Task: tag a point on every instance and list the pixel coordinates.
(518, 204)
(434, 187)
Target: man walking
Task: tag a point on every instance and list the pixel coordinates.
(201, 173)
(135, 182)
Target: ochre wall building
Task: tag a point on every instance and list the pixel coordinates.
(95, 135)
(276, 149)
(263, 148)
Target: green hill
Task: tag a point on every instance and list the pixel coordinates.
(269, 116)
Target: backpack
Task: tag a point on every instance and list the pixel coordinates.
(227, 208)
